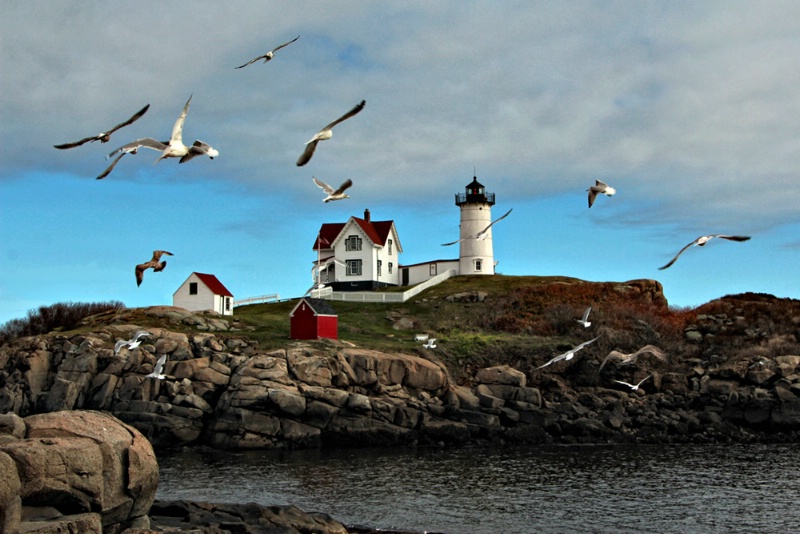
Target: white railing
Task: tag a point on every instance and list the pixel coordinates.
(378, 296)
(257, 300)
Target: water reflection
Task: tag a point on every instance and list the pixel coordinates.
(619, 488)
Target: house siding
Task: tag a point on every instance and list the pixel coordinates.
(205, 299)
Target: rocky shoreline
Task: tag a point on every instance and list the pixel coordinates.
(224, 392)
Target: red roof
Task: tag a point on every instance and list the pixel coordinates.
(377, 231)
(214, 285)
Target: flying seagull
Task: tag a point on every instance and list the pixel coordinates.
(154, 263)
(483, 234)
(633, 388)
(315, 287)
(159, 368)
(323, 265)
(627, 359)
(430, 344)
(174, 148)
(333, 194)
(569, 354)
(103, 137)
(702, 240)
(266, 57)
(585, 319)
(599, 188)
(131, 343)
(326, 133)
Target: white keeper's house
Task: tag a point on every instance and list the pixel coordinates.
(367, 254)
(362, 254)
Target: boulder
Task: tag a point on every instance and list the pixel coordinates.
(501, 374)
(86, 464)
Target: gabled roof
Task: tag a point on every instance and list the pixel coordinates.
(318, 306)
(214, 284)
(377, 231)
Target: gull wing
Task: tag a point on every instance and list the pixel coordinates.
(305, 157)
(453, 242)
(322, 185)
(285, 44)
(104, 136)
(673, 260)
(177, 130)
(134, 146)
(111, 167)
(345, 185)
(495, 221)
(346, 116)
(160, 364)
(733, 237)
(198, 148)
(625, 383)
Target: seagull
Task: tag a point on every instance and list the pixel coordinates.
(104, 137)
(157, 370)
(333, 194)
(154, 263)
(599, 188)
(483, 234)
(315, 287)
(268, 56)
(430, 344)
(627, 359)
(323, 266)
(702, 240)
(133, 342)
(633, 388)
(569, 354)
(174, 148)
(584, 320)
(326, 133)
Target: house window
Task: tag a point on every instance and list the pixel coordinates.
(353, 267)
(433, 269)
(390, 247)
(379, 267)
(227, 304)
(390, 267)
(353, 242)
(193, 288)
(478, 264)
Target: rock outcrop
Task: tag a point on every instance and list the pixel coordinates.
(74, 471)
(224, 391)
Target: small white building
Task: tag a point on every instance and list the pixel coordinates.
(201, 292)
(417, 273)
(366, 253)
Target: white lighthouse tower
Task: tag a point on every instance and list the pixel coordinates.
(475, 256)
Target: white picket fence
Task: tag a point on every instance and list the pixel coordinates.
(257, 300)
(380, 296)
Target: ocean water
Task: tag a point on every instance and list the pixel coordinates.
(598, 489)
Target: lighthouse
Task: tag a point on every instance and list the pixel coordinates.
(475, 256)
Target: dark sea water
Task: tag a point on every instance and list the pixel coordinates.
(604, 489)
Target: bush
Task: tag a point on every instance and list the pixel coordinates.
(62, 315)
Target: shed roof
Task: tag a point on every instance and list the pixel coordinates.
(214, 284)
(318, 306)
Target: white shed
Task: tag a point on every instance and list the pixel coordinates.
(201, 292)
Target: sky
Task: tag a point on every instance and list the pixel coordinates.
(690, 110)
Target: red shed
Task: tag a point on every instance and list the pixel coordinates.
(313, 319)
